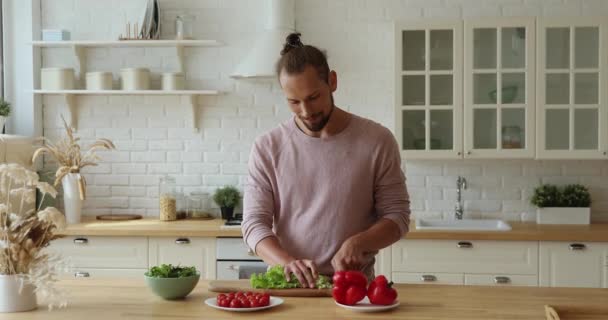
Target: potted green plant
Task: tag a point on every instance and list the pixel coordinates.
(227, 198)
(5, 111)
(567, 205)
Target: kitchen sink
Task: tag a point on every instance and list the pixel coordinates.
(463, 225)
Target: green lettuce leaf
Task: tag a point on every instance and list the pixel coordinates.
(274, 278)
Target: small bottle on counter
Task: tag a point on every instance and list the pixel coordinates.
(168, 199)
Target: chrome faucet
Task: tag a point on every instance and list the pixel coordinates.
(461, 184)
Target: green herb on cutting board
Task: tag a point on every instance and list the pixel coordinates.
(170, 271)
(274, 278)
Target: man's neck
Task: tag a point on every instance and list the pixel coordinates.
(337, 122)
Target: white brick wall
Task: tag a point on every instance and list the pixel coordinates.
(152, 133)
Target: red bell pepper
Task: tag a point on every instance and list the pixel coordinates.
(381, 292)
(349, 287)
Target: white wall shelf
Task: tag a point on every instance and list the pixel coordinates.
(79, 46)
(129, 43)
(69, 96)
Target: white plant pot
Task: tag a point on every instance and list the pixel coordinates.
(556, 215)
(16, 294)
(71, 198)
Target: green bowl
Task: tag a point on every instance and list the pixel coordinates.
(172, 288)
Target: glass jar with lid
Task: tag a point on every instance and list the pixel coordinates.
(167, 193)
(198, 205)
(183, 27)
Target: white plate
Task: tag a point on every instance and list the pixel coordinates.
(212, 302)
(365, 306)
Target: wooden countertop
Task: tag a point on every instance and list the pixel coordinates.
(94, 299)
(152, 227)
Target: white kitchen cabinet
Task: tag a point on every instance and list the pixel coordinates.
(198, 252)
(428, 278)
(573, 264)
(501, 280)
(499, 101)
(103, 256)
(428, 89)
(473, 257)
(571, 99)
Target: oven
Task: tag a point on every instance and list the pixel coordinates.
(235, 260)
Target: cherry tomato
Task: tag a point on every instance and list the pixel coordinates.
(235, 303)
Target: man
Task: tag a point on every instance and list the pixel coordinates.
(325, 189)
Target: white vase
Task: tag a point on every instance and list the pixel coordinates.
(558, 215)
(2, 122)
(14, 297)
(71, 198)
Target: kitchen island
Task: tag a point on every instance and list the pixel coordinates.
(117, 298)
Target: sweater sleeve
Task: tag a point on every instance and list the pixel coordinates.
(390, 192)
(258, 202)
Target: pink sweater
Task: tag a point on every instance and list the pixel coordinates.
(314, 193)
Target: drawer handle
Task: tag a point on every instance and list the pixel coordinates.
(81, 241)
(233, 268)
(502, 280)
(428, 278)
(81, 274)
(577, 246)
(464, 244)
(182, 241)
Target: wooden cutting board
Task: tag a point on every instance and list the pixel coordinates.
(244, 285)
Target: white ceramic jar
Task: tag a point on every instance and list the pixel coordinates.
(57, 78)
(99, 80)
(135, 79)
(173, 81)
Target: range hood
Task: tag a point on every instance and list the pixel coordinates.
(261, 59)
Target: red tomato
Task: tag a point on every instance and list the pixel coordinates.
(264, 301)
(224, 303)
(255, 304)
(245, 303)
(235, 303)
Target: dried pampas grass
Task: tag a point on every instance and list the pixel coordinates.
(68, 154)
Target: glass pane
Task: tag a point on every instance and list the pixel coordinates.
(513, 128)
(586, 49)
(413, 90)
(413, 50)
(484, 48)
(484, 129)
(513, 47)
(484, 88)
(513, 88)
(558, 48)
(413, 130)
(586, 88)
(557, 131)
(441, 49)
(441, 130)
(586, 129)
(441, 89)
(558, 88)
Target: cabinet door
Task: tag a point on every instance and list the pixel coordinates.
(428, 89)
(499, 88)
(479, 257)
(103, 252)
(567, 264)
(197, 252)
(105, 273)
(571, 77)
(428, 278)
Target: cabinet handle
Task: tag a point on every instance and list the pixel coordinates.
(182, 241)
(502, 280)
(428, 278)
(468, 152)
(233, 268)
(577, 246)
(81, 241)
(81, 274)
(464, 244)
(459, 153)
